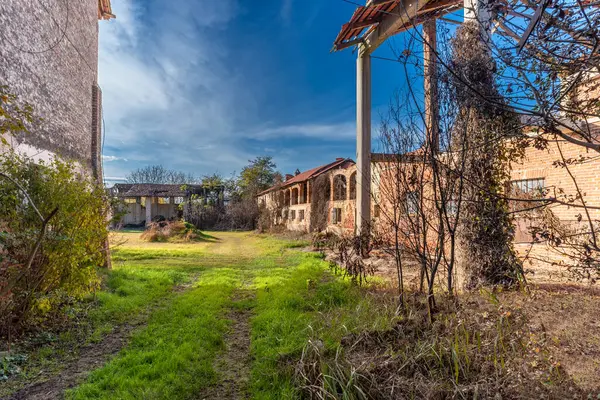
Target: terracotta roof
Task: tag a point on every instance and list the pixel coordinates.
(154, 190)
(366, 18)
(105, 10)
(311, 173)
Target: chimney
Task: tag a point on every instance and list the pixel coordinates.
(288, 177)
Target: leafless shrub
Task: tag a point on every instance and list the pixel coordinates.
(461, 355)
(171, 230)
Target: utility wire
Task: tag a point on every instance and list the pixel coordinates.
(62, 37)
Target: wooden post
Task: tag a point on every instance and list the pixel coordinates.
(363, 141)
(148, 210)
(430, 83)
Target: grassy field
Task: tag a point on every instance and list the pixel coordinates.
(241, 315)
(290, 295)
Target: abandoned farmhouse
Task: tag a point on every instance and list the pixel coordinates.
(144, 203)
(53, 66)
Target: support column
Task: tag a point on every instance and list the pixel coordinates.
(363, 141)
(430, 83)
(148, 210)
(479, 11)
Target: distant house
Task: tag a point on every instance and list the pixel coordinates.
(147, 202)
(293, 203)
(49, 59)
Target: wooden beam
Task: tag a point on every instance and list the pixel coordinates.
(508, 31)
(364, 24)
(436, 5)
(347, 44)
(537, 16)
(378, 2)
(391, 24)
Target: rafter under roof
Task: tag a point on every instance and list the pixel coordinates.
(105, 10)
(366, 19)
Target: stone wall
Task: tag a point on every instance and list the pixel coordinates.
(49, 58)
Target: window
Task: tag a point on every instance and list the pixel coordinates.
(376, 210)
(452, 207)
(164, 200)
(336, 215)
(339, 187)
(130, 200)
(412, 203)
(301, 215)
(353, 186)
(531, 186)
(178, 200)
(285, 214)
(292, 215)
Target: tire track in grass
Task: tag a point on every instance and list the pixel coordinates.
(233, 366)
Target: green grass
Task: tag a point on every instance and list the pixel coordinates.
(182, 332)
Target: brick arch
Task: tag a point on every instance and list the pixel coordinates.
(340, 187)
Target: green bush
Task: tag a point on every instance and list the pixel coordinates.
(64, 268)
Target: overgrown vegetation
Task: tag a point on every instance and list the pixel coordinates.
(172, 231)
(52, 240)
(53, 230)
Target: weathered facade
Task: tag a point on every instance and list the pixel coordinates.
(293, 202)
(542, 171)
(144, 203)
(49, 59)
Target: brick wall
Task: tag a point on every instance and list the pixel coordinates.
(540, 164)
(49, 58)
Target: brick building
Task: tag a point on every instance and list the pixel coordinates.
(49, 59)
(292, 201)
(542, 172)
(538, 173)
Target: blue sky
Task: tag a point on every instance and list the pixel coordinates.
(203, 86)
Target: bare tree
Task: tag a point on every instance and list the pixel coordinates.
(159, 174)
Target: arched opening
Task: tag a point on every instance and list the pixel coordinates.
(339, 187)
(294, 196)
(353, 186)
(303, 193)
(286, 199)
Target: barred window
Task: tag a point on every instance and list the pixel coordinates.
(533, 186)
(412, 203)
(336, 215)
(292, 215)
(301, 215)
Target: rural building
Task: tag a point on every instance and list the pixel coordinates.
(541, 172)
(146, 202)
(329, 188)
(49, 59)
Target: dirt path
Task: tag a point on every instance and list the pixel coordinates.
(233, 366)
(89, 358)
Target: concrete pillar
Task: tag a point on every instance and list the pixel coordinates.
(148, 210)
(479, 11)
(430, 83)
(363, 141)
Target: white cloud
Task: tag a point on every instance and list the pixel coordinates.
(106, 158)
(166, 82)
(335, 131)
